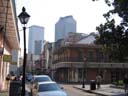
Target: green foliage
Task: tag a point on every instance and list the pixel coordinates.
(115, 37)
(120, 82)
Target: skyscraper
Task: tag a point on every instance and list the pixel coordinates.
(63, 26)
(36, 38)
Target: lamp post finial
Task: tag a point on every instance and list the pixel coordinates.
(23, 9)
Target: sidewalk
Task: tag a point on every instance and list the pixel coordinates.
(3, 93)
(105, 90)
(6, 93)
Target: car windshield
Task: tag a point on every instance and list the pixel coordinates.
(40, 79)
(48, 87)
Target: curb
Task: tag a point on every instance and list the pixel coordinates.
(89, 91)
(118, 87)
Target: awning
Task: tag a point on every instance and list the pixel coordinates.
(9, 22)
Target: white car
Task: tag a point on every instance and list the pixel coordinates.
(48, 89)
(41, 78)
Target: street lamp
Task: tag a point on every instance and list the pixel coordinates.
(83, 83)
(24, 17)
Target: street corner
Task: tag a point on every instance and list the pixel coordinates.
(87, 89)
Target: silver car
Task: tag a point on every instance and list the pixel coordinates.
(48, 89)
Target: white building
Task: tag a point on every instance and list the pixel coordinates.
(36, 38)
(63, 26)
(88, 39)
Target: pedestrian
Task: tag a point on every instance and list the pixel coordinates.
(7, 82)
(21, 77)
(14, 78)
(98, 81)
(126, 83)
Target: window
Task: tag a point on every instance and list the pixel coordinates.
(90, 55)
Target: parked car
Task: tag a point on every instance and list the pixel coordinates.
(48, 89)
(41, 78)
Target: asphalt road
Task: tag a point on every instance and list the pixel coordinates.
(76, 92)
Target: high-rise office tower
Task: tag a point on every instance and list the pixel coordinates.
(63, 26)
(36, 38)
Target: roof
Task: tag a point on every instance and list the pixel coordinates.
(47, 82)
(89, 39)
(40, 76)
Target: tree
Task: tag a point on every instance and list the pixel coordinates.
(113, 37)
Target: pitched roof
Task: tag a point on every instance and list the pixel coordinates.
(89, 39)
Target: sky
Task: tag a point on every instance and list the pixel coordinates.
(46, 13)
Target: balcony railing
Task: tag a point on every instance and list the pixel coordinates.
(68, 59)
(76, 59)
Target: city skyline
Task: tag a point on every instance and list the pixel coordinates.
(35, 40)
(64, 26)
(88, 14)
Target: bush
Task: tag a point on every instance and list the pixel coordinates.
(120, 82)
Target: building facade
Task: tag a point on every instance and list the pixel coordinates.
(9, 40)
(68, 61)
(73, 61)
(35, 40)
(63, 26)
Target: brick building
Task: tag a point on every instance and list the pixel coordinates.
(70, 59)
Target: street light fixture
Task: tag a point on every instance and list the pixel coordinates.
(83, 83)
(24, 17)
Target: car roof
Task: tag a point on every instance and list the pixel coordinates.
(47, 82)
(40, 76)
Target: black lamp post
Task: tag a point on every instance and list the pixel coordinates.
(83, 83)
(24, 17)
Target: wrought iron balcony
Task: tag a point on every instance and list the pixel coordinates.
(68, 59)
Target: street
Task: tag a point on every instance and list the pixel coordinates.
(72, 91)
(75, 92)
